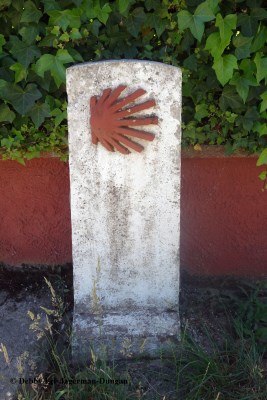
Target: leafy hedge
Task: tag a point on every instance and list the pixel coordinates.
(220, 46)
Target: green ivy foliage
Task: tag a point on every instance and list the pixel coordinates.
(220, 46)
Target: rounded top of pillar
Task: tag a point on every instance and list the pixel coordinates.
(113, 63)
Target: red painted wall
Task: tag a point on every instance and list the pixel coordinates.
(35, 212)
(223, 215)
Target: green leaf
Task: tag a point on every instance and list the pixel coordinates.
(249, 24)
(226, 26)
(243, 46)
(135, 21)
(224, 68)
(65, 18)
(124, 5)
(96, 11)
(7, 142)
(103, 13)
(187, 20)
(50, 5)
(204, 12)
(6, 115)
(30, 13)
(191, 62)
(29, 33)
(230, 99)
(75, 55)
(22, 99)
(262, 160)
(195, 22)
(263, 175)
(59, 115)
(4, 85)
(2, 42)
(24, 53)
(261, 64)
(20, 72)
(38, 113)
(157, 23)
(64, 56)
(201, 111)
(64, 37)
(54, 64)
(259, 40)
(248, 119)
(215, 45)
(75, 34)
(261, 128)
(242, 84)
(264, 102)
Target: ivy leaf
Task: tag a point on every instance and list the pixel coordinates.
(30, 13)
(20, 72)
(64, 56)
(49, 5)
(29, 33)
(243, 45)
(103, 13)
(135, 21)
(215, 45)
(264, 102)
(54, 64)
(248, 25)
(191, 62)
(201, 111)
(65, 18)
(2, 42)
(187, 20)
(6, 115)
(204, 12)
(96, 11)
(75, 55)
(22, 99)
(226, 26)
(260, 128)
(242, 84)
(23, 52)
(248, 119)
(38, 113)
(261, 64)
(75, 34)
(124, 5)
(195, 22)
(230, 99)
(59, 115)
(224, 68)
(157, 23)
(263, 175)
(262, 160)
(259, 40)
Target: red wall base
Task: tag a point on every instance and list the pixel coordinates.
(223, 215)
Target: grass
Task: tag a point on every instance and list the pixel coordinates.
(231, 366)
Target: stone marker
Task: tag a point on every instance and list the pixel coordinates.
(124, 139)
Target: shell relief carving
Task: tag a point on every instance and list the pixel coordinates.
(112, 121)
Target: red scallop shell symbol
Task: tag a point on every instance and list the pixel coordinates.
(110, 125)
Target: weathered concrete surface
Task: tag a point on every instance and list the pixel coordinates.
(125, 212)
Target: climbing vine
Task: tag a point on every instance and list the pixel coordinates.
(220, 46)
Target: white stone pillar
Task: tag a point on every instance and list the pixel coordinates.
(125, 212)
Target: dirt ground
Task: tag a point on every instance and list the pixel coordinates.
(202, 306)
